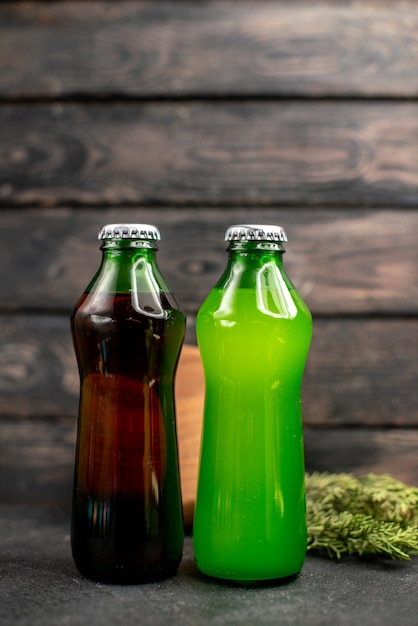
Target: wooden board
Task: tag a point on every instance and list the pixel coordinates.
(148, 49)
(204, 153)
(190, 389)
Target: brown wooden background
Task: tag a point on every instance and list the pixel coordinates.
(194, 116)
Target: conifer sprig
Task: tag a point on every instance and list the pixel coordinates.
(371, 514)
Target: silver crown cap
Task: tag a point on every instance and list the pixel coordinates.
(255, 232)
(130, 231)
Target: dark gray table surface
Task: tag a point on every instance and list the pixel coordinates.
(40, 585)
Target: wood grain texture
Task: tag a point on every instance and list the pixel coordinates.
(195, 116)
(137, 49)
(341, 261)
(358, 372)
(208, 153)
(363, 450)
(362, 372)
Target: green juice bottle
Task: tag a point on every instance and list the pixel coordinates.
(254, 332)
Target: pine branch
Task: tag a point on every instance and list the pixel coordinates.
(368, 515)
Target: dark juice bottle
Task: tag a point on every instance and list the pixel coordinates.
(127, 523)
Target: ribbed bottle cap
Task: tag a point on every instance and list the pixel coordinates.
(130, 231)
(255, 232)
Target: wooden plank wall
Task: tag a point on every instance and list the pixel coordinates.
(193, 116)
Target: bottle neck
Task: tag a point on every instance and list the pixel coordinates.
(256, 246)
(255, 253)
(249, 262)
(255, 282)
(111, 247)
(125, 258)
(128, 266)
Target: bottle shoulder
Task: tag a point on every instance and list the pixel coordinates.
(132, 282)
(129, 304)
(262, 302)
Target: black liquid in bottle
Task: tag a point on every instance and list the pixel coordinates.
(127, 523)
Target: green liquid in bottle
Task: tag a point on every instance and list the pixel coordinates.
(254, 333)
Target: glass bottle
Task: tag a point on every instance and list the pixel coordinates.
(253, 333)
(128, 331)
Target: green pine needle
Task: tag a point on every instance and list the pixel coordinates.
(371, 514)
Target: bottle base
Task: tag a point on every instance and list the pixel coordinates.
(127, 575)
(247, 578)
(262, 582)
